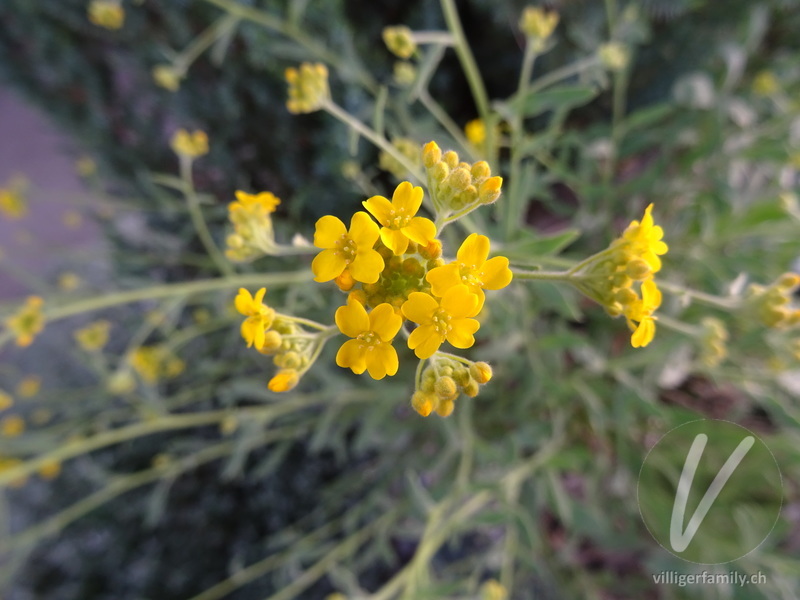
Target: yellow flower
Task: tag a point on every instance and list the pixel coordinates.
(537, 23)
(259, 316)
(398, 218)
(94, 336)
(153, 362)
(263, 201)
(399, 39)
(614, 56)
(190, 145)
(13, 199)
(448, 318)
(85, 166)
(6, 401)
(28, 322)
(493, 590)
(29, 386)
(766, 83)
(168, 77)
(49, 470)
(308, 87)
(12, 426)
(106, 13)
(284, 380)
(472, 269)
(475, 131)
(343, 249)
(371, 349)
(639, 314)
(644, 240)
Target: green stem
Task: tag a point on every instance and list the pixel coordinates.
(678, 326)
(442, 38)
(544, 275)
(199, 222)
(381, 142)
(467, 60)
(444, 119)
(293, 33)
(709, 299)
(564, 72)
(204, 41)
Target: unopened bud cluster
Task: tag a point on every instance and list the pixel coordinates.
(252, 235)
(444, 380)
(456, 186)
(772, 304)
(713, 342)
(308, 87)
(399, 39)
(538, 25)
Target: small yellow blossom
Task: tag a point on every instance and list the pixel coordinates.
(49, 470)
(7, 464)
(399, 39)
(308, 87)
(614, 56)
(398, 220)
(265, 202)
(284, 380)
(29, 386)
(405, 73)
(167, 77)
(69, 281)
(449, 318)
(424, 403)
(773, 304)
(259, 316)
(6, 401)
(639, 314)
(644, 240)
(253, 234)
(347, 249)
(371, 347)
(12, 426)
(106, 13)
(85, 166)
(41, 416)
(493, 590)
(13, 198)
(538, 24)
(766, 84)
(190, 145)
(472, 269)
(475, 131)
(155, 362)
(28, 322)
(94, 336)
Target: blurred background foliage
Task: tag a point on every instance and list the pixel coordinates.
(701, 140)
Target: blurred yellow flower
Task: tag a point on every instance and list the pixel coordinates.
(284, 380)
(538, 23)
(6, 400)
(475, 131)
(371, 347)
(308, 87)
(69, 281)
(28, 322)
(190, 145)
(94, 336)
(347, 249)
(13, 199)
(49, 470)
(398, 218)
(259, 316)
(12, 426)
(167, 77)
(29, 386)
(106, 13)
(399, 39)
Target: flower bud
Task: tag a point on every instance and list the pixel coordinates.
(481, 372)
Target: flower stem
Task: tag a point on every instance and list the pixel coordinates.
(729, 303)
(544, 275)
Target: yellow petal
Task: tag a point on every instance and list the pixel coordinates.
(644, 333)
(395, 240)
(329, 230)
(243, 302)
(367, 265)
(407, 197)
(461, 333)
(651, 295)
(363, 230)
(419, 308)
(474, 250)
(495, 274)
(380, 208)
(384, 321)
(420, 230)
(459, 302)
(381, 360)
(327, 265)
(351, 356)
(259, 298)
(424, 341)
(352, 319)
(443, 278)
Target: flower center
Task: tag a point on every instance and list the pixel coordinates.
(346, 248)
(398, 218)
(468, 275)
(370, 339)
(441, 322)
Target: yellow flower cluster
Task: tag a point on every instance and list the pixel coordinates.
(308, 87)
(538, 24)
(399, 39)
(444, 379)
(772, 303)
(292, 348)
(152, 363)
(493, 590)
(94, 336)
(613, 56)
(190, 145)
(611, 277)
(713, 342)
(397, 262)
(13, 200)
(458, 188)
(28, 322)
(253, 235)
(167, 77)
(106, 13)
